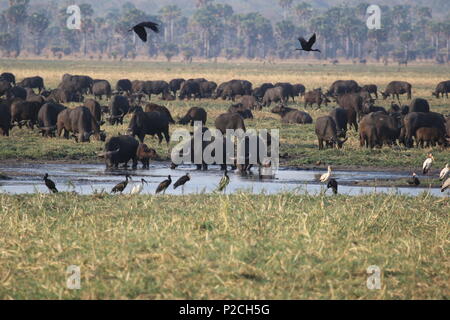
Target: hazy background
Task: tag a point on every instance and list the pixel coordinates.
(228, 29)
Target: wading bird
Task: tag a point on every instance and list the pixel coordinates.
(428, 163)
(307, 45)
(139, 29)
(446, 185)
(121, 186)
(182, 181)
(414, 180)
(50, 184)
(326, 176)
(333, 184)
(137, 189)
(224, 182)
(164, 185)
(444, 173)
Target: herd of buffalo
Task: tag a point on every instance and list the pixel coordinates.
(28, 103)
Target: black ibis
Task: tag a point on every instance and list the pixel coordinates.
(121, 186)
(139, 29)
(414, 180)
(333, 184)
(307, 45)
(164, 185)
(182, 181)
(50, 184)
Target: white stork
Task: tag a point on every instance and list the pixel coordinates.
(326, 176)
(446, 185)
(444, 173)
(427, 164)
(137, 189)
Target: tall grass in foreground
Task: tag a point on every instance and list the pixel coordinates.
(224, 247)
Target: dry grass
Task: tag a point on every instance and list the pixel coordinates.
(224, 247)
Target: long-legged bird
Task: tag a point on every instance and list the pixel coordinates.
(333, 184)
(50, 184)
(121, 186)
(224, 182)
(428, 163)
(182, 181)
(137, 189)
(414, 180)
(164, 185)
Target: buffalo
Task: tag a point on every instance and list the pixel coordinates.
(340, 117)
(194, 114)
(25, 112)
(326, 131)
(419, 105)
(48, 118)
(175, 85)
(341, 87)
(8, 76)
(124, 86)
(33, 83)
(101, 88)
(396, 88)
(315, 97)
(441, 89)
(415, 120)
(241, 110)
(120, 150)
(149, 123)
(80, 123)
(289, 115)
(5, 119)
(231, 121)
(119, 108)
(151, 107)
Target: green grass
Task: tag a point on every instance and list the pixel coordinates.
(298, 141)
(224, 247)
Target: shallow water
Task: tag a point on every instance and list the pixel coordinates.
(90, 178)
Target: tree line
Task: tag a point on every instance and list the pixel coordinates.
(215, 30)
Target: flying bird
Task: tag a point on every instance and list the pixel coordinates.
(414, 180)
(444, 173)
(137, 189)
(333, 184)
(307, 45)
(224, 182)
(427, 164)
(50, 184)
(164, 185)
(326, 176)
(121, 186)
(182, 181)
(139, 29)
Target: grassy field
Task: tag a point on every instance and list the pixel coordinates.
(224, 247)
(299, 142)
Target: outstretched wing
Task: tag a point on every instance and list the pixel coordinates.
(151, 25)
(312, 40)
(140, 31)
(303, 43)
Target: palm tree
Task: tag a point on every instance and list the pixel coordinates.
(303, 11)
(285, 4)
(170, 13)
(37, 23)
